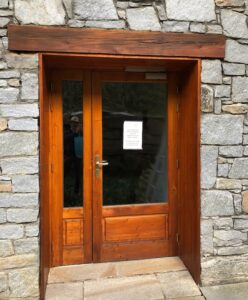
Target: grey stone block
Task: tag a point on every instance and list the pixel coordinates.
(40, 12)
(22, 61)
(239, 168)
(216, 203)
(25, 183)
(207, 98)
(95, 9)
(9, 74)
(19, 215)
(223, 170)
(12, 143)
(106, 24)
(19, 110)
(32, 230)
(231, 151)
(3, 283)
(207, 245)
(234, 24)
(211, 71)
(20, 165)
(236, 52)
(198, 27)
(208, 166)
(233, 69)
(30, 90)
(136, 20)
(3, 218)
(175, 26)
(18, 200)
(240, 89)
(23, 124)
(24, 282)
(6, 248)
(222, 91)
(11, 231)
(191, 10)
(8, 95)
(241, 223)
(221, 129)
(220, 270)
(26, 246)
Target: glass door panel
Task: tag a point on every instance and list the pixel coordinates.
(72, 97)
(135, 174)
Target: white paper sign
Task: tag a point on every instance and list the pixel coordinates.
(132, 135)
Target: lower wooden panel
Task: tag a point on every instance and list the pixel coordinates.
(73, 255)
(73, 237)
(134, 250)
(136, 228)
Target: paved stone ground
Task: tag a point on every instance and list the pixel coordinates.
(237, 291)
(151, 279)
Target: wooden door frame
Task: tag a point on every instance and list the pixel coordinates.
(174, 65)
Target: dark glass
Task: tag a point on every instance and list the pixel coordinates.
(135, 176)
(72, 94)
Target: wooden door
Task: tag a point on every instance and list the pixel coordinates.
(71, 196)
(135, 189)
(126, 209)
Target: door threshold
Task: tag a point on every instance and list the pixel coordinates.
(93, 271)
(157, 278)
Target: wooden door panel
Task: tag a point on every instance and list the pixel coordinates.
(134, 250)
(135, 228)
(71, 225)
(124, 232)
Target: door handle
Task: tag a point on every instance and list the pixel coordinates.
(99, 165)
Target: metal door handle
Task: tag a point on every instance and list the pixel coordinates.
(99, 165)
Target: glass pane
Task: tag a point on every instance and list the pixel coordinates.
(72, 94)
(139, 175)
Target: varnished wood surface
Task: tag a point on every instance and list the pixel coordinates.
(115, 225)
(117, 42)
(130, 210)
(135, 228)
(45, 161)
(189, 171)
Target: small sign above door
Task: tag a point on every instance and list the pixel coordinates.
(132, 135)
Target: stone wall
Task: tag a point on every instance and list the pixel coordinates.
(224, 127)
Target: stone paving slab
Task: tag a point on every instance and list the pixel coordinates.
(237, 291)
(65, 291)
(148, 266)
(178, 284)
(144, 287)
(81, 272)
(114, 269)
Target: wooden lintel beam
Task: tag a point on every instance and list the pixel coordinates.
(114, 42)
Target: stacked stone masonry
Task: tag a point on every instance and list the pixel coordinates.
(224, 129)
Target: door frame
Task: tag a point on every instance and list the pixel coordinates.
(86, 224)
(188, 72)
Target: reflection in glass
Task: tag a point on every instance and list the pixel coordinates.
(72, 92)
(135, 176)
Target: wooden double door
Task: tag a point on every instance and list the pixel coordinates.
(114, 166)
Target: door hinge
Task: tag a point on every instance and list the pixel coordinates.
(177, 236)
(177, 163)
(177, 107)
(51, 87)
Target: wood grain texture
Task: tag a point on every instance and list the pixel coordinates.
(134, 228)
(117, 42)
(189, 171)
(45, 176)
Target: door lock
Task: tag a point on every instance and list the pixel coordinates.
(99, 165)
